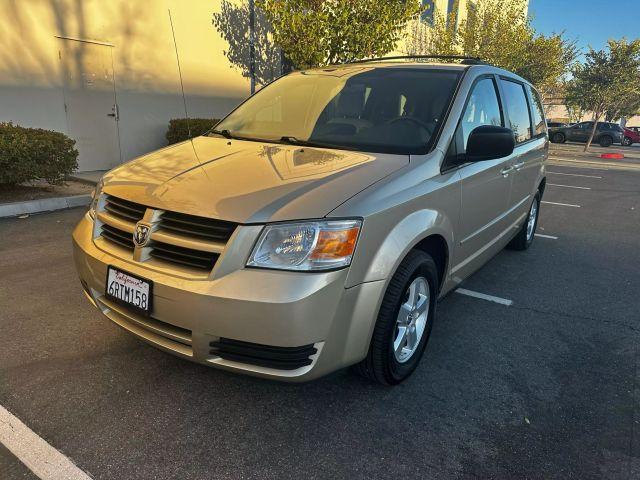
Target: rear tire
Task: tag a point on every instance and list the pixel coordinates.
(525, 236)
(605, 141)
(558, 138)
(389, 361)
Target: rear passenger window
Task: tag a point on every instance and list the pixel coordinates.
(518, 110)
(482, 108)
(538, 117)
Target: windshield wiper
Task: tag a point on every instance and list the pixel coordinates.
(225, 133)
(291, 140)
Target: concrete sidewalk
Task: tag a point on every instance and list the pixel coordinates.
(576, 151)
(91, 178)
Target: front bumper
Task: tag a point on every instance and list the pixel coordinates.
(266, 307)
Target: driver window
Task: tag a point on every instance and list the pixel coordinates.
(483, 108)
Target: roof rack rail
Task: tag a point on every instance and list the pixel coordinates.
(465, 59)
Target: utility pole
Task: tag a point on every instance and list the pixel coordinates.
(252, 46)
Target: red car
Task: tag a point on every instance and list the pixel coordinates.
(631, 135)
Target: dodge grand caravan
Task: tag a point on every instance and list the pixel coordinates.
(316, 225)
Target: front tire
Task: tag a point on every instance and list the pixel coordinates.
(558, 138)
(527, 232)
(404, 322)
(627, 142)
(605, 141)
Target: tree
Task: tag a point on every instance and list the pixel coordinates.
(608, 82)
(500, 33)
(575, 112)
(322, 32)
(232, 21)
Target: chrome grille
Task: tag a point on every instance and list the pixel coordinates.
(186, 241)
(184, 256)
(117, 236)
(199, 227)
(124, 209)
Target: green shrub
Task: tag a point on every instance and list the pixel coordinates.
(179, 132)
(34, 153)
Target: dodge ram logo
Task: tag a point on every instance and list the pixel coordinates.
(141, 234)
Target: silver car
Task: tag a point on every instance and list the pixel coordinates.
(315, 226)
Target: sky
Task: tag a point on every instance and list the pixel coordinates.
(590, 22)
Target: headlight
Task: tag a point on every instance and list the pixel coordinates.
(95, 198)
(320, 245)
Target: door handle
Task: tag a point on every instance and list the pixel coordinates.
(506, 171)
(114, 112)
(518, 166)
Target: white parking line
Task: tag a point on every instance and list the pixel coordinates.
(484, 296)
(561, 204)
(568, 186)
(573, 174)
(551, 237)
(41, 458)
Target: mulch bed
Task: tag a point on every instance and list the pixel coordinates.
(38, 190)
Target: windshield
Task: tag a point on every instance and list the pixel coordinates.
(393, 110)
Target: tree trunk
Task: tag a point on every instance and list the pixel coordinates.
(596, 118)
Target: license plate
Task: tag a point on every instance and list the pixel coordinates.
(129, 290)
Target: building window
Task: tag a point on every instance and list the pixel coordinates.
(472, 9)
(429, 11)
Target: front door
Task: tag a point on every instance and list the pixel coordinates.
(485, 186)
(527, 122)
(90, 102)
(580, 132)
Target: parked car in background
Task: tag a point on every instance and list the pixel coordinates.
(631, 136)
(606, 133)
(556, 124)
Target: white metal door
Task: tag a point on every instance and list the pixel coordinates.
(90, 102)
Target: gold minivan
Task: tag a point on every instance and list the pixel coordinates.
(316, 225)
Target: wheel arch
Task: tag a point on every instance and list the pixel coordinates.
(436, 246)
(542, 185)
(428, 230)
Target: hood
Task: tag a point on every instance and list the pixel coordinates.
(248, 182)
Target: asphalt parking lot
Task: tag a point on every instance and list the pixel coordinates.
(547, 387)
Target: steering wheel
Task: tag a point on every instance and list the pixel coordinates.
(415, 120)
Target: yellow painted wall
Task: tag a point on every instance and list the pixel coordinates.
(144, 55)
(144, 63)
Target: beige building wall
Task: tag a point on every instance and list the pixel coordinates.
(442, 8)
(461, 7)
(42, 70)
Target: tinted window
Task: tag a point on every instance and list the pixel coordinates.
(538, 116)
(518, 110)
(395, 110)
(482, 108)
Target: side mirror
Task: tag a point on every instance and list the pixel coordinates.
(488, 142)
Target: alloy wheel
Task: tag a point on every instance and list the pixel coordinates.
(412, 320)
(531, 222)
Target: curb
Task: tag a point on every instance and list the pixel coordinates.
(86, 181)
(15, 209)
(596, 164)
